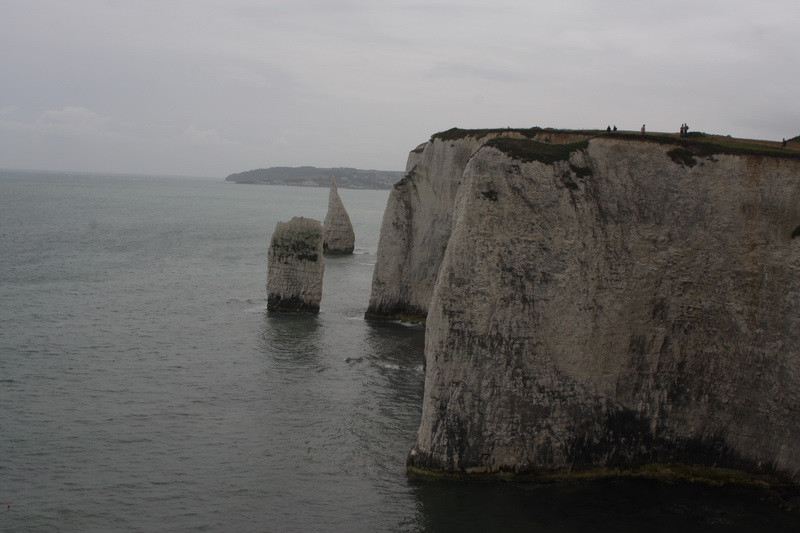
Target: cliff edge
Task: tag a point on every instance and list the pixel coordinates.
(610, 304)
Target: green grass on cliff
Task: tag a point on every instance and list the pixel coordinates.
(697, 144)
(454, 134)
(706, 145)
(529, 150)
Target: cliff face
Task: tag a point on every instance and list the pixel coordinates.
(608, 304)
(295, 266)
(418, 219)
(339, 237)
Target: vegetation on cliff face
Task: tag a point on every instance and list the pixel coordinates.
(682, 156)
(347, 178)
(454, 134)
(705, 145)
(528, 150)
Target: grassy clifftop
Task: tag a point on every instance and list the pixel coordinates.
(695, 144)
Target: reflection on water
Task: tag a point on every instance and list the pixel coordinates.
(359, 409)
(292, 337)
(395, 344)
(623, 506)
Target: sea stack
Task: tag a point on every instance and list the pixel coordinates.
(603, 305)
(339, 236)
(295, 266)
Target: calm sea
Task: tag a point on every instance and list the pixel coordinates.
(143, 386)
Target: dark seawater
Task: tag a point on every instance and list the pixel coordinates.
(143, 386)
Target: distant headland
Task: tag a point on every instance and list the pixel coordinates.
(347, 178)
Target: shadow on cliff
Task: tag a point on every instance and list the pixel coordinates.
(615, 506)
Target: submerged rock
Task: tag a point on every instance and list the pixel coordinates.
(295, 266)
(613, 305)
(339, 236)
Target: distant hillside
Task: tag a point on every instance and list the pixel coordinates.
(348, 178)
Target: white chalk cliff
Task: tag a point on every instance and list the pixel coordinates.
(418, 219)
(339, 237)
(295, 266)
(601, 306)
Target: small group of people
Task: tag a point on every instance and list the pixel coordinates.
(684, 131)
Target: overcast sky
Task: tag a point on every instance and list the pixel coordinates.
(212, 87)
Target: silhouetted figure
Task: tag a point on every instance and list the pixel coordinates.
(642, 129)
(783, 144)
(608, 129)
(615, 127)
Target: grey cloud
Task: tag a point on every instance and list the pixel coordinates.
(210, 87)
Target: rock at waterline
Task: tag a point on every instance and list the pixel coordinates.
(295, 266)
(339, 236)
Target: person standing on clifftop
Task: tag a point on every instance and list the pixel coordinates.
(642, 129)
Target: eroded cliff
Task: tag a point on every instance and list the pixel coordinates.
(609, 304)
(418, 218)
(295, 266)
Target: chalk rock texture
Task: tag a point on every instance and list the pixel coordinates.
(295, 266)
(418, 219)
(339, 237)
(611, 303)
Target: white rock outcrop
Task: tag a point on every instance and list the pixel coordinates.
(339, 237)
(295, 266)
(418, 219)
(606, 306)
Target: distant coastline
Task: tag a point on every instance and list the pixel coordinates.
(347, 178)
